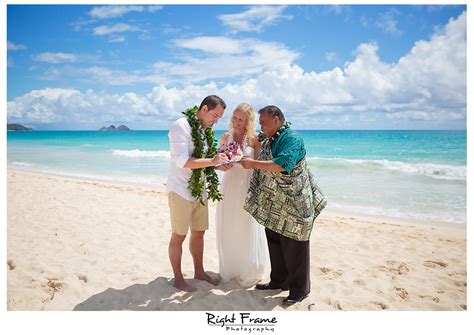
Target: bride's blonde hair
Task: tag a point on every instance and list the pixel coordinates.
(250, 126)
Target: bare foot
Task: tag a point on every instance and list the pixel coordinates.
(183, 286)
(206, 277)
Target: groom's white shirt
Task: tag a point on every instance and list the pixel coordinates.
(181, 149)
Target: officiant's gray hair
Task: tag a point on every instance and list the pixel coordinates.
(273, 111)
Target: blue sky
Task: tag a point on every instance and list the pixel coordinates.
(327, 67)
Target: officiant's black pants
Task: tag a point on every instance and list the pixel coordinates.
(289, 259)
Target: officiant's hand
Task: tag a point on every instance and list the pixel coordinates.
(247, 162)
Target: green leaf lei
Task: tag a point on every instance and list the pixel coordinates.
(196, 183)
(261, 136)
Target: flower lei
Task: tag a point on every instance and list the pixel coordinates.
(196, 182)
(261, 136)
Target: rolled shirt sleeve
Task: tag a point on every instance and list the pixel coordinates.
(179, 144)
(288, 152)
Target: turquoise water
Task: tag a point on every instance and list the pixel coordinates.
(405, 174)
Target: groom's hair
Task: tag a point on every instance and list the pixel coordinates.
(273, 111)
(211, 101)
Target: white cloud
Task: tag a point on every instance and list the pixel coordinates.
(100, 74)
(213, 44)
(117, 39)
(224, 58)
(55, 57)
(336, 9)
(440, 115)
(330, 56)
(73, 107)
(254, 19)
(13, 47)
(220, 58)
(168, 29)
(388, 23)
(116, 28)
(364, 20)
(41, 106)
(107, 12)
(427, 85)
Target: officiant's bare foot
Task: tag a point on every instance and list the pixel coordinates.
(183, 286)
(206, 277)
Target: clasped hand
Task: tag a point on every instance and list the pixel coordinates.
(247, 162)
(219, 159)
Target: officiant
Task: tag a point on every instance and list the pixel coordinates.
(284, 197)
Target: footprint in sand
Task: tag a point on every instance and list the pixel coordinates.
(358, 282)
(55, 286)
(338, 306)
(401, 292)
(330, 273)
(11, 265)
(461, 284)
(456, 273)
(381, 305)
(83, 278)
(435, 264)
(435, 299)
(398, 268)
(446, 240)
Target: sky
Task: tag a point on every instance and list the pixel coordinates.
(326, 66)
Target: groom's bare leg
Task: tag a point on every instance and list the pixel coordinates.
(196, 246)
(175, 251)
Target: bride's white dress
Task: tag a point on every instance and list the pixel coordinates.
(241, 241)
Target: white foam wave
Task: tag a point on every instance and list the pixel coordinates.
(141, 153)
(21, 164)
(441, 171)
(435, 216)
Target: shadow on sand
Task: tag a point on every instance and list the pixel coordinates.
(160, 295)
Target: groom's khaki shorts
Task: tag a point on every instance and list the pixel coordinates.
(187, 214)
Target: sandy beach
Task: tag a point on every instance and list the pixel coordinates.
(86, 245)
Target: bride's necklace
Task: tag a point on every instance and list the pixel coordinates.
(244, 141)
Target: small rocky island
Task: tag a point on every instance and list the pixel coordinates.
(15, 126)
(112, 127)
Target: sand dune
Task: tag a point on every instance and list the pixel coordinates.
(85, 245)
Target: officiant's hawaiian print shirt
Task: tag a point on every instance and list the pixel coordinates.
(285, 202)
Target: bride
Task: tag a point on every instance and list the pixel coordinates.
(241, 241)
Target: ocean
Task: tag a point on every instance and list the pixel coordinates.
(417, 175)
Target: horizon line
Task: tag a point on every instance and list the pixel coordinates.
(227, 129)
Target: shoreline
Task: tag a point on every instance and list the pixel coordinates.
(114, 182)
(328, 211)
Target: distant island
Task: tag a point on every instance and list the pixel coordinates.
(14, 126)
(112, 127)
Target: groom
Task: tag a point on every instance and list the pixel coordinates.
(284, 197)
(187, 197)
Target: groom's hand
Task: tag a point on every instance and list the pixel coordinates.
(225, 167)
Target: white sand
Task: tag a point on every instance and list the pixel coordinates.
(85, 245)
